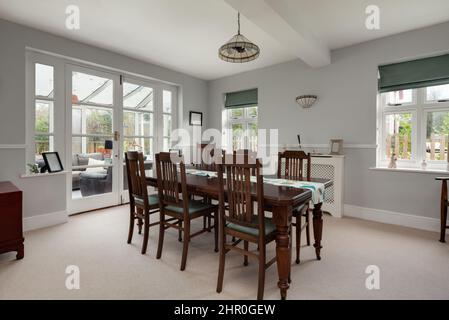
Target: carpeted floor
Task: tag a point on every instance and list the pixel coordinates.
(413, 264)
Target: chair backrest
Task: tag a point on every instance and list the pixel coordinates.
(291, 165)
(135, 169)
(167, 165)
(245, 156)
(210, 158)
(239, 189)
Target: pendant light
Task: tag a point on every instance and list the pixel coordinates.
(239, 49)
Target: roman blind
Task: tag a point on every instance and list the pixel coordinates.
(241, 99)
(414, 74)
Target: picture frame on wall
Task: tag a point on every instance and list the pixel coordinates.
(336, 147)
(196, 118)
(52, 162)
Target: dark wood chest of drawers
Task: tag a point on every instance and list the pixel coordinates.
(11, 231)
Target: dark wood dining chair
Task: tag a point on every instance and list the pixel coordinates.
(142, 205)
(291, 166)
(208, 158)
(444, 205)
(174, 201)
(245, 155)
(241, 220)
(208, 163)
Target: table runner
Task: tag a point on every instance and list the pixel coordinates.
(318, 189)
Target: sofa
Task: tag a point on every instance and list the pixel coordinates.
(81, 160)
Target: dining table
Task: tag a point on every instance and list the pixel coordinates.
(278, 199)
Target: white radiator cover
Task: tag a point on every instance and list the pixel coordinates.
(327, 167)
(331, 167)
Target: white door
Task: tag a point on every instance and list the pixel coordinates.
(149, 113)
(139, 123)
(94, 118)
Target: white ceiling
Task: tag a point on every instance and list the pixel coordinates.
(185, 35)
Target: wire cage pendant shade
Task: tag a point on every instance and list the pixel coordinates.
(239, 49)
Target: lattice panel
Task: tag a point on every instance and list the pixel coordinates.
(325, 171)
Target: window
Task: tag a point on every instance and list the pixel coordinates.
(240, 119)
(44, 101)
(167, 108)
(414, 126)
(138, 119)
(243, 128)
(92, 113)
(75, 109)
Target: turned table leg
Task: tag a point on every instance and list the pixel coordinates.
(282, 218)
(318, 228)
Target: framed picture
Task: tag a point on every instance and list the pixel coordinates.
(196, 118)
(336, 147)
(52, 162)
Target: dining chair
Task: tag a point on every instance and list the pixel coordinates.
(241, 220)
(291, 166)
(208, 163)
(142, 205)
(241, 155)
(444, 205)
(171, 182)
(208, 155)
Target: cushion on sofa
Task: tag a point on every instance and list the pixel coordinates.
(93, 162)
(83, 158)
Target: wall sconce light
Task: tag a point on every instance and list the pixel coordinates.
(306, 101)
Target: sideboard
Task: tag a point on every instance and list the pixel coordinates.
(11, 230)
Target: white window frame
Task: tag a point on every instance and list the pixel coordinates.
(58, 113)
(245, 121)
(60, 63)
(419, 108)
(173, 114)
(156, 92)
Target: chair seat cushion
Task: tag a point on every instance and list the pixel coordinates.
(194, 207)
(153, 200)
(269, 227)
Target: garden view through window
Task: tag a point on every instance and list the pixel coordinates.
(244, 128)
(415, 126)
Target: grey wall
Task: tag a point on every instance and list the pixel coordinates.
(47, 195)
(346, 109)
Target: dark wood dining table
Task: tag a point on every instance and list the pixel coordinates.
(280, 200)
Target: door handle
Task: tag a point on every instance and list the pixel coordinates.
(116, 136)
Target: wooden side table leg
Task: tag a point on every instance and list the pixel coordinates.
(443, 211)
(318, 228)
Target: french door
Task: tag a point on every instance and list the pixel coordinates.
(140, 99)
(93, 138)
(109, 114)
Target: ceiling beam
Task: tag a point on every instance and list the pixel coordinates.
(275, 18)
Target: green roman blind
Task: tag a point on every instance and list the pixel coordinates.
(241, 99)
(414, 74)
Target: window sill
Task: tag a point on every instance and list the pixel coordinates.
(40, 175)
(411, 170)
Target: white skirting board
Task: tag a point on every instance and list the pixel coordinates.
(390, 217)
(44, 220)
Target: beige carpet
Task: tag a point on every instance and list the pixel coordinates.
(413, 264)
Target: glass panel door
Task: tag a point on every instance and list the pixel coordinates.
(93, 133)
(138, 124)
